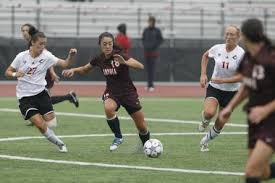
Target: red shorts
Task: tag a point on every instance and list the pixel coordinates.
(130, 101)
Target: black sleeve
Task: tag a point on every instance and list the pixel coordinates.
(93, 61)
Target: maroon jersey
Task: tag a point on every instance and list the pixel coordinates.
(49, 80)
(117, 75)
(259, 76)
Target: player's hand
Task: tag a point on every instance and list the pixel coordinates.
(19, 74)
(119, 59)
(68, 73)
(224, 115)
(72, 52)
(257, 114)
(203, 80)
(217, 80)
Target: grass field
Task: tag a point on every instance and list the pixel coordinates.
(171, 120)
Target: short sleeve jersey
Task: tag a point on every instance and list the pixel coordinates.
(33, 82)
(226, 64)
(117, 75)
(259, 76)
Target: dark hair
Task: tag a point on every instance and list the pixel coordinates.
(32, 29)
(37, 35)
(116, 48)
(152, 19)
(122, 28)
(105, 34)
(254, 31)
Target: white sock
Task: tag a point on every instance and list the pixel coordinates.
(212, 133)
(49, 134)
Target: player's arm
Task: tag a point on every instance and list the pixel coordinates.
(204, 63)
(131, 62)
(12, 73)
(69, 60)
(53, 74)
(80, 70)
(234, 102)
(233, 79)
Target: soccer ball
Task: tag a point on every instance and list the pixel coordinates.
(153, 148)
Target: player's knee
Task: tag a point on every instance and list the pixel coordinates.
(52, 123)
(109, 110)
(208, 114)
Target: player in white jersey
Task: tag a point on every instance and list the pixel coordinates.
(224, 82)
(30, 67)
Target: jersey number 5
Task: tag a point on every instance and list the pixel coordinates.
(225, 65)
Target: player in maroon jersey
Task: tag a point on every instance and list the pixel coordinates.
(258, 72)
(27, 31)
(120, 90)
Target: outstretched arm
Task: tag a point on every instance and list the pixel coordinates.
(80, 70)
(69, 60)
(133, 63)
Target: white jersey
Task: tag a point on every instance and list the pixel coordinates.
(226, 64)
(35, 69)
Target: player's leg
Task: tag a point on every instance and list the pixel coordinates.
(257, 166)
(71, 97)
(141, 125)
(209, 110)
(110, 107)
(41, 124)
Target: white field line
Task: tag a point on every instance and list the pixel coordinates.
(106, 135)
(125, 118)
(178, 170)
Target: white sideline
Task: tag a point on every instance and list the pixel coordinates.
(126, 118)
(106, 135)
(178, 170)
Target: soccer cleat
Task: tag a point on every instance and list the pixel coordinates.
(74, 99)
(204, 145)
(204, 124)
(116, 142)
(63, 148)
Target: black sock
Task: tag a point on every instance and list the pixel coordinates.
(144, 137)
(272, 171)
(252, 180)
(115, 127)
(58, 99)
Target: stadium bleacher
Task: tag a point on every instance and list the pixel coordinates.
(177, 18)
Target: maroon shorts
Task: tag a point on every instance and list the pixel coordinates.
(49, 80)
(130, 101)
(264, 131)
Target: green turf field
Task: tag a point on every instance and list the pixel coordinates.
(173, 120)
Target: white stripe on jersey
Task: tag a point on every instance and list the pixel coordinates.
(226, 64)
(35, 69)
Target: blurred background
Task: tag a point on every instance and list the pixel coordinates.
(189, 28)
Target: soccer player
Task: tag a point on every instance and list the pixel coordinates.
(27, 31)
(224, 82)
(258, 71)
(120, 90)
(30, 67)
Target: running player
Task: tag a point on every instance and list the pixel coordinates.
(27, 31)
(30, 67)
(224, 82)
(258, 71)
(120, 89)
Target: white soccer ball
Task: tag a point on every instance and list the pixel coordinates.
(153, 148)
